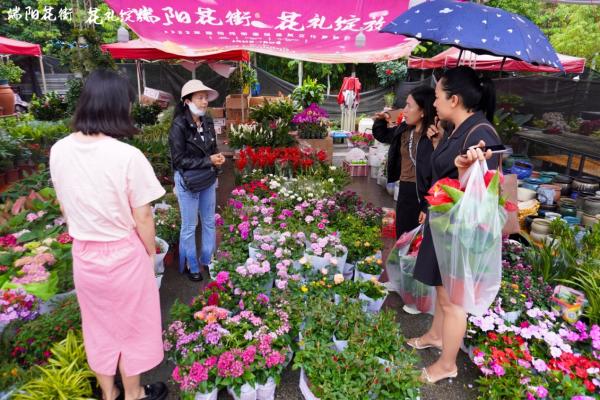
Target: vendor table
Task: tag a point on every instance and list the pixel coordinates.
(577, 148)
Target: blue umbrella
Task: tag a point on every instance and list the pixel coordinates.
(480, 29)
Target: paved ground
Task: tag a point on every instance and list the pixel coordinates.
(175, 286)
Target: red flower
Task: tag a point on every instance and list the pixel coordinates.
(64, 238)
(388, 71)
(589, 385)
(213, 299)
(492, 336)
(489, 175)
(437, 195)
(510, 206)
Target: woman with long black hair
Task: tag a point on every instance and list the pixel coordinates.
(468, 103)
(409, 156)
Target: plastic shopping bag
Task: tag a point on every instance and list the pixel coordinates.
(400, 267)
(468, 242)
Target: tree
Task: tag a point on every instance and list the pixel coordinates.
(572, 29)
(59, 36)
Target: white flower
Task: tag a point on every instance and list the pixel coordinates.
(302, 260)
(333, 168)
(338, 278)
(324, 271)
(330, 180)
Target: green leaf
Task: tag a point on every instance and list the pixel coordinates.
(455, 194)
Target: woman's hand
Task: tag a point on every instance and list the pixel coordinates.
(435, 132)
(382, 116)
(422, 218)
(474, 153)
(217, 159)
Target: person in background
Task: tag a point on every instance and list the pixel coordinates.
(105, 188)
(409, 156)
(196, 161)
(468, 103)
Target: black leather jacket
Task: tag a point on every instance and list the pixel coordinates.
(424, 150)
(188, 150)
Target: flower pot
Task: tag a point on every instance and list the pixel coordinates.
(305, 387)
(538, 237)
(159, 265)
(7, 99)
(588, 220)
(592, 205)
(247, 392)
(585, 184)
(348, 271)
(340, 345)
(555, 188)
(371, 305)
(266, 391)
(361, 276)
(320, 262)
(540, 226)
(551, 216)
(212, 395)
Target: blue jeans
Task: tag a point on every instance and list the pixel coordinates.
(192, 205)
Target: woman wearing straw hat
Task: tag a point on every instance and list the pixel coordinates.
(196, 161)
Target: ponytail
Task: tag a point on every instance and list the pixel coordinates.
(487, 104)
(476, 94)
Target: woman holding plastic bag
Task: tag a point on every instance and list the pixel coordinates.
(468, 103)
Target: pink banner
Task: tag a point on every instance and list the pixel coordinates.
(333, 31)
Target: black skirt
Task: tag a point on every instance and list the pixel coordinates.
(427, 269)
(407, 208)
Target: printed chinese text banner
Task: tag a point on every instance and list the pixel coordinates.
(334, 31)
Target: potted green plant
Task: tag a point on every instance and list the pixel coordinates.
(9, 73)
(308, 93)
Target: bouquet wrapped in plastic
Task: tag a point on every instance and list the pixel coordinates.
(466, 220)
(400, 267)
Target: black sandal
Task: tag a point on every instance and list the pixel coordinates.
(155, 391)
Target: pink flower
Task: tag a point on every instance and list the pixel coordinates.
(498, 370)
(198, 372)
(248, 355)
(541, 392)
(31, 217)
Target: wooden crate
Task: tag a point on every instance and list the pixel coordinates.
(235, 101)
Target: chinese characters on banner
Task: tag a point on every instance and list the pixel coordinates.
(310, 30)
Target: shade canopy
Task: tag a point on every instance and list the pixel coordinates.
(12, 46)
(338, 31)
(485, 62)
(140, 50)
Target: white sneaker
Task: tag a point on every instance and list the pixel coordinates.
(410, 310)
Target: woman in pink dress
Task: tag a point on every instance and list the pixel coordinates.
(105, 187)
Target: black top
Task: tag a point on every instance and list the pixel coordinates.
(427, 269)
(191, 149)
(392, 136)
(457, 142)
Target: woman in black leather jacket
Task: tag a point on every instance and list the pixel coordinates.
(409, 156)
(196, 161)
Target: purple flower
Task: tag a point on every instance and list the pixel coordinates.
(541, 392)
(498, 370)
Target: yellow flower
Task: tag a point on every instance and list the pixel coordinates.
(304, 289)
(31, 245)
(367, 244)
(379, 261)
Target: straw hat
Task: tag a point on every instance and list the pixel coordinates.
(196, 85)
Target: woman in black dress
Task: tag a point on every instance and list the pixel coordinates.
(409, 156)
(468, 103)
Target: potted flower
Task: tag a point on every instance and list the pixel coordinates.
(324, 251)
(162, 247)
(373, 294)
(369, 268)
